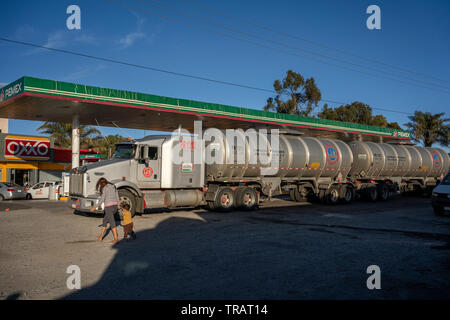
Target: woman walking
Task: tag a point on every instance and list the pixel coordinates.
(110, 198)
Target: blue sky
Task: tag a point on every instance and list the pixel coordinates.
(414, 35)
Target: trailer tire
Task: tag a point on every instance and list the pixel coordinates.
(237, 196)
(346, 193)
(224, 199)
(383, 192)
(332, 195)
(292, 195)
(322, 195)
(210, 205)
(126, 196)
(301, 194)
(371, 193)
(247, 199)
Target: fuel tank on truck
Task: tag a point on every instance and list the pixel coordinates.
(383, 160)
(296, 157)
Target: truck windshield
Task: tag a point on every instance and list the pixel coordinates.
(124, 151)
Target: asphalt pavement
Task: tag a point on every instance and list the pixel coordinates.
(284, 250)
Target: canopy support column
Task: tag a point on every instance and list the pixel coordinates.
(75, 141)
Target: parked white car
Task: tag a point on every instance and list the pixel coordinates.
(440, 199)
(41, 190)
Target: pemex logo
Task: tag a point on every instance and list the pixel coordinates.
(436, 159)
(332, 154)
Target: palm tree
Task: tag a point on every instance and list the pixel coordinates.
(429, 128)
(62, 134)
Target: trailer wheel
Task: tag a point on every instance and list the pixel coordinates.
(224, 199)
(371, 193)
(126, 196)
(237, 196)
(248, 199)
(346, 193)
(292, 195)
(301, 194)
(383, 192)
(322, 195)
(332, 195)
(211, 206)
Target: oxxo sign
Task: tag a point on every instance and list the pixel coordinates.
(27, 148)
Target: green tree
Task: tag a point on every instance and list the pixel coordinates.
(62, 134)
(357, 112)
(295, 95)
(394, 125)
(106, 145)
(429, 128)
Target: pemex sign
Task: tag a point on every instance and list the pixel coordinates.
(11, 90)
(27, 148)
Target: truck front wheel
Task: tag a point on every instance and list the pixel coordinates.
(127, 197)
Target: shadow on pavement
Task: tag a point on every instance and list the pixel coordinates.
(162, 263)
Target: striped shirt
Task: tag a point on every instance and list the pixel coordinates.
(110, 195)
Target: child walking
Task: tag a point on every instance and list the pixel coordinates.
(127, 222)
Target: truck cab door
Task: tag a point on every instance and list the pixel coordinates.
(149, 167)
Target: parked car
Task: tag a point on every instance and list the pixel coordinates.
(9, 191)
(41, 190)
(440, 198)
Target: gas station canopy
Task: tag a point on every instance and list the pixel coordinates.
(47, 100)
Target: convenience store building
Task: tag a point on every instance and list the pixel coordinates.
(26, 159)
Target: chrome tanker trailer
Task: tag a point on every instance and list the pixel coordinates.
(163, 171)
(382, 167)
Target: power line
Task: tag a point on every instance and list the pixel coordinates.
(272, 48)
(316, 43)
(132, 64)
(207, 21)
(29, 44)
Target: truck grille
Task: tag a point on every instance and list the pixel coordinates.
(76, 184)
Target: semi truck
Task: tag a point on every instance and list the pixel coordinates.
(333, 171)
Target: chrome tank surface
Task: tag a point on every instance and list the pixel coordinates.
(299, 157)
(383, 160)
